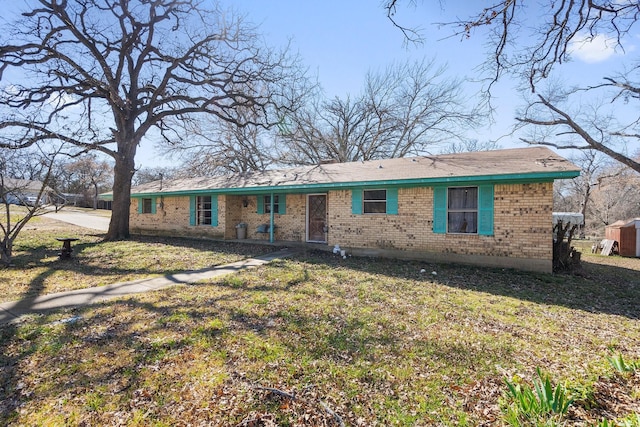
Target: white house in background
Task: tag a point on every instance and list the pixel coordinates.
(24, 192)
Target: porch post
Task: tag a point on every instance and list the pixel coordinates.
(271, 239)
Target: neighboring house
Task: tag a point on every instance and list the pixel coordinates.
(24, 192)
(627, 234)
(491, 208)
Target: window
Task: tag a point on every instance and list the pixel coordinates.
(276, 204)
(147, 206)
(279, 204)
(374, 201)
(453, 205)
(462, 210)
(203, 210)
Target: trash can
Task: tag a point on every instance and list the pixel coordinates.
(241, 231)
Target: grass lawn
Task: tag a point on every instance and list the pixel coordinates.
(37, 269)
(317, 340)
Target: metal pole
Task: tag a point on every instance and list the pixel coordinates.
(271, 239)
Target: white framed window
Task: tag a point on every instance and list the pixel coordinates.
(147, 206)
(462, 210)
(267, 204)
(374, 201)
(203, 210)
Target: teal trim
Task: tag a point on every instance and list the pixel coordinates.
(260, 203)
(214, 210)
(522, 178)
(485, 210)
(392, 201)
(440, 209)
(141, 204)
(282, 202)
(192, 210)
(356, 201)
(272, 200)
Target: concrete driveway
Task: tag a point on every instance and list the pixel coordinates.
(88, 219)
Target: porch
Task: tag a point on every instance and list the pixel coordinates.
(276, 218)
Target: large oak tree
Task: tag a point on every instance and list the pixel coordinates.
(104, 74)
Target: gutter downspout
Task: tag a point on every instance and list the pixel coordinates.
(271, 214)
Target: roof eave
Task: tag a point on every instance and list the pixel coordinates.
(517, 178)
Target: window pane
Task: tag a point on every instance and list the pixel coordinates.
(204, 210)
(267, 204)
(375, 195)
(146, 205)
(463, 198)
(375, 207)
(462, 222)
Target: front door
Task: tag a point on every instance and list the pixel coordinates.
(316, 217)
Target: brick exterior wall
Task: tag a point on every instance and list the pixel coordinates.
(172, 218)
(289, 227)
(522, 225)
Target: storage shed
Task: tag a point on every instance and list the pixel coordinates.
(627, 234)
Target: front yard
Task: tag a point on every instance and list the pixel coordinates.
(317, 340)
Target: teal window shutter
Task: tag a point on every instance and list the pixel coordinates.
(439, 209)
(392, 201)
(356, 201)
(139, 205)
(192, 210)
(260, 204)
(282, 208)
(485, 210)
(153, 205)
(214, 210)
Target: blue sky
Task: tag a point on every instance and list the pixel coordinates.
(340, 41)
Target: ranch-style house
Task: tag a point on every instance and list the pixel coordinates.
(491, 208)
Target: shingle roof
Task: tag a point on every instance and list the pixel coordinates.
(23, 185)
(511, 164)
(625, 223)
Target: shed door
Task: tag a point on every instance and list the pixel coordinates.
(316, 217)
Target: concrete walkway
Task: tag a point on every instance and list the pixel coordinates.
(87, 219)
(12, 311)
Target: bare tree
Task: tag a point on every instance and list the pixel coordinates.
(616, 197)
(407, 109)
(532, 41)
(555, 26)
(217, 147)
(575, 195)
(156, 173)
(101, 74)
(31, 194)
(592, 125)
(469, 146)
(89, 176)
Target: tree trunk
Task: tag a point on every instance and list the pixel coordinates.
(6, 252)
(95, 195)
(565, 257)
(123, 173)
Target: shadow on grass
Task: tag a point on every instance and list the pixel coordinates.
(598, 289)
(13, 393)
(10, 363)
(132, 354)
